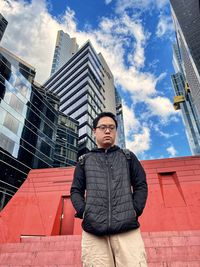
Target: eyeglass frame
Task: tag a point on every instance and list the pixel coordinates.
(104, 127)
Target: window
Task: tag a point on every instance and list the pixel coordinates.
(83, 130)
(48, 130)
(21, 87)
(45, 148)
(76, 104)
(16, 104)
(6, 143)
(71, 140)
(11, 123)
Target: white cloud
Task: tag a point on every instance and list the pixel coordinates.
(108, 2)
(153, 64)
(171, 151)
(140, 142)
(123, 5)
(160, 106)
(31, 35)
(120, 33)
(165, 27)
(138, 137)
(131, 124)
(68, 22)
(161, 3)
(166, 135)
(36, 44)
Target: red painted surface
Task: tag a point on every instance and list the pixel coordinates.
(67, 220)
(36, 209)
(174, 190)
(174, 249)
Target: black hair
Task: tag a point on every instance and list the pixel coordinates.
(104, 114)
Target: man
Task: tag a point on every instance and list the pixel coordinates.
(116, 193)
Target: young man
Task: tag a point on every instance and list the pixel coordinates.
(116, 193)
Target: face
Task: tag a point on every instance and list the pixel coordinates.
(105, 137)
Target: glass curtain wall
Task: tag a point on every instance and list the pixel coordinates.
(28, 125)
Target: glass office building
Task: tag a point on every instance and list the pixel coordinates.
(65, 48)
(27, 127)
(186, 17)
(30, 126)
(66, 148)
(183, 101)
(3, 25)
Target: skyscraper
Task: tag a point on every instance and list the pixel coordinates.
(183, 101)
(85, 86)
(65, 48)
(27, 132)
(3, 25)
(120, 120)
(186, 80)
(186, 17)
(30, 126)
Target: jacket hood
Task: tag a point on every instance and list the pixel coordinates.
(103, 150)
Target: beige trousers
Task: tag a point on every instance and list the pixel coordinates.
(120, 250)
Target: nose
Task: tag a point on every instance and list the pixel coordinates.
(107, 130)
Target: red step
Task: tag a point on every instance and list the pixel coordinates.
(25, 239)
(41, 258)
(171, 249)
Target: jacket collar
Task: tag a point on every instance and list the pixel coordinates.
(103, 150)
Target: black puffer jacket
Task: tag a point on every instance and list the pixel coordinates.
(111, 204)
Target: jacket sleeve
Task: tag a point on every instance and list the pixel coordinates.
(77, 191)
(139, 184)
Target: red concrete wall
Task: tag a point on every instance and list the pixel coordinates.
(36, 207)
(173, 201)
(174, 190)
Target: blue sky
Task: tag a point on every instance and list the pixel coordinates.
(135, 38)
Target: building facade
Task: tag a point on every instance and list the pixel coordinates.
(65, 48)
(185, 80)
(29, 126)
(28, 129)
(3, 25)
(183, 101)
(186, 17)
(85, 86)
(120, 120)
(66, 148)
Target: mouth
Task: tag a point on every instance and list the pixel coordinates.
(107, 137)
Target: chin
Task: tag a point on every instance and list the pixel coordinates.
(108, 143)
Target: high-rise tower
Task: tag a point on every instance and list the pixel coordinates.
(65, 48)
(186, 61)
(186, 17)
(33, 133)
(85, 86)
(3, 25)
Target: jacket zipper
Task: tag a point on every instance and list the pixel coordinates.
(109, 198)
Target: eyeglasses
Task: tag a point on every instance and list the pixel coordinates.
(104, 128)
